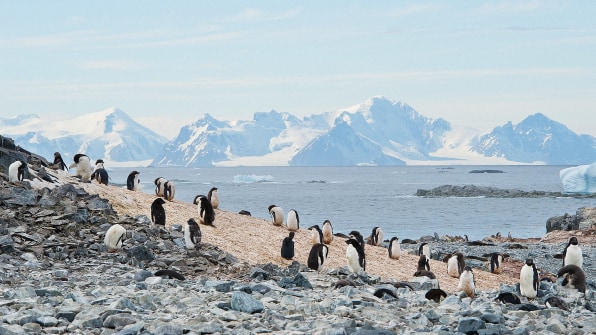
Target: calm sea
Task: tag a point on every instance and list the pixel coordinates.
(360, 198)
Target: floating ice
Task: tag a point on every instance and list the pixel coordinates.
(251, 178)
(579, 179)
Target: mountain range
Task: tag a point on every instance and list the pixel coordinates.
(377, 132)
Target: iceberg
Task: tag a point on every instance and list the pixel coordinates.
(251, 178)
(579, 179)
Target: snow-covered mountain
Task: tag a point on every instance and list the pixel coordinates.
(268, 139)
(376, 132)
(537, 139)
(110, 135)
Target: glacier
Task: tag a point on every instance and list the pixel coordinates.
(579, 179)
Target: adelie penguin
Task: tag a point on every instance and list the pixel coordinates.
(277, 215)
(58, 163)
(132, 182)
(496, 260)
(316, 234)
(394, 248)
(355, 256)
(376, 237)
(508, 298)
(424, 249)
(100, 174)
(213, 197)
(466, 282)
(192, 234)
(169, 190)
(423, 263)
(158, 214)
(317, 256)
(327, 232)
(83, 165)
(436, 294)
(556, 302)
(456, 264)
(205, 210)
(114, 238)
(423, 269)
(573, 253)
(159, 185)
(358, 237)
(528, 279)
(293, 221)
(287, 246)
(16, 171)
(574, 277)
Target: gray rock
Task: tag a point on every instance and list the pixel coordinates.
(119, 320)
(168, 330)
(470, 325)
(244, 302)
(141, 275)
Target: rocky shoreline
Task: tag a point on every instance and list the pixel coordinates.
(57, 278)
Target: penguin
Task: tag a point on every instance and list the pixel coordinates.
(327, 232)
(456, 265)
(425, 273)
(317, 256)
(528, 279)
(376, 237)
(158, 214)
(435, 294)
(192, 234)
(114, 238)
(16, 171)
(205, 210)
(423, 263)
(466, 282)
(287, 246)
(59, 162)
(133, 182)
(169, 189)
(244, 212)
(508, 298)
(343, 282)
(100, 174)
(381, 292)
(394, 248)
(574, 277)
(495, 263)
(316, 234)
(83, 165)
(424, 249)
(159, 186)
(169, 273)
(573, 253)
(400, 284)
(355, 256)
(358, 237)
(213, 197)
(556, 302)
(293, 221)
(277, 215)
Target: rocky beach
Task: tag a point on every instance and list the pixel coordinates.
(56, 276)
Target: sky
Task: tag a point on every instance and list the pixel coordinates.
(167, 63)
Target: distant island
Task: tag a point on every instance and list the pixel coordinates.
(486, 171)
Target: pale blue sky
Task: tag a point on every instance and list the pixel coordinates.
(166, 63)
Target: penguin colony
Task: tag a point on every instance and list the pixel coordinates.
(571, 270)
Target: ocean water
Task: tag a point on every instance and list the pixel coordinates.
(360, 198)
